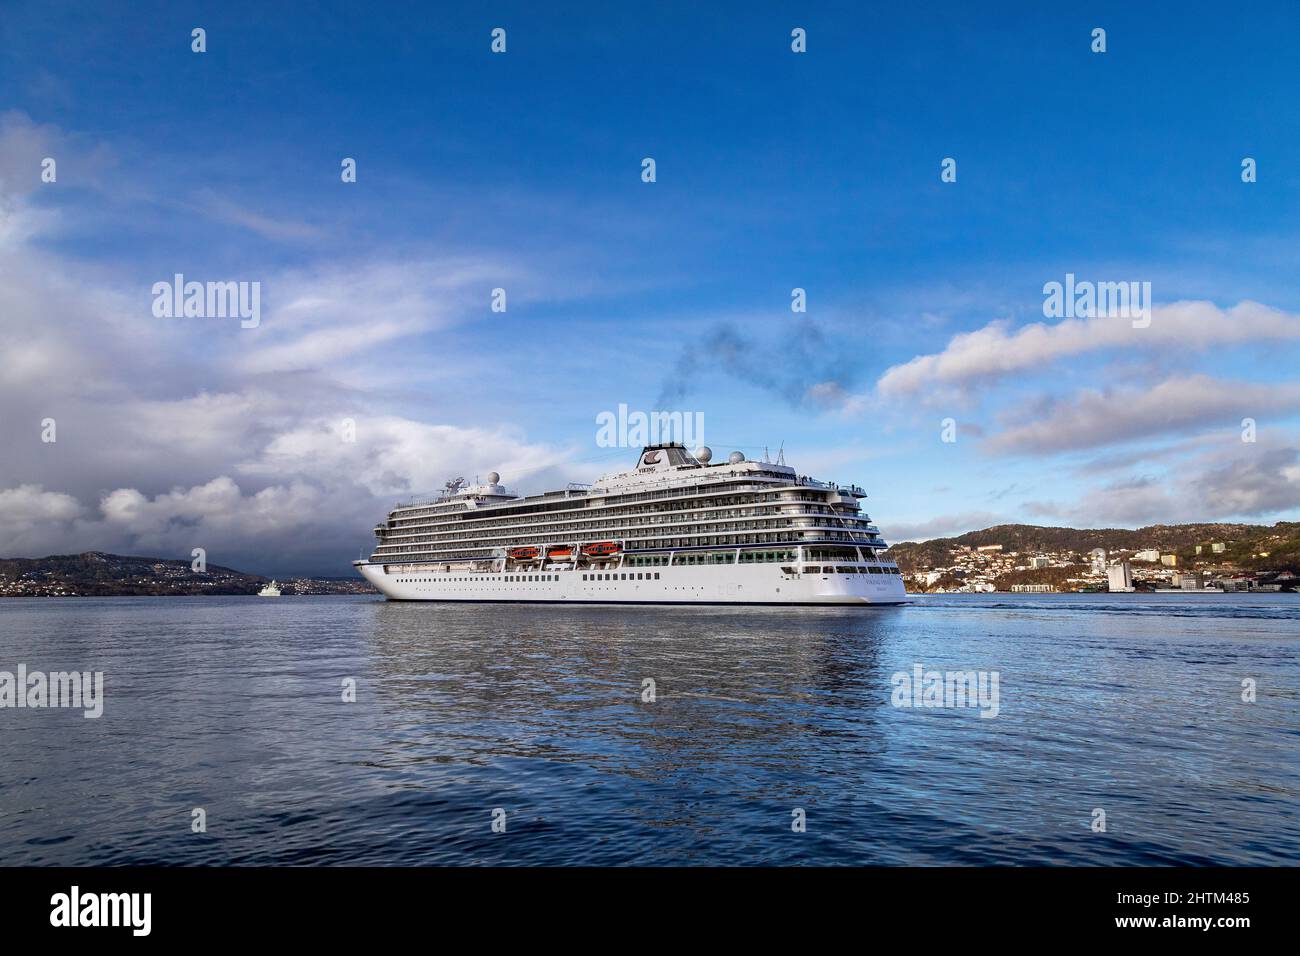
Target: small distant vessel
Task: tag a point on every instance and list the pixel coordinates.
(271, 590)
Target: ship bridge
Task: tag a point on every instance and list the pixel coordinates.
(670, 463)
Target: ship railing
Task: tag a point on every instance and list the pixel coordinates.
(629, 497)
(805, 481)
(442, 497)
(683, 491)
(654, 490)
(497, 538)
(829, 534)
(422, 501)
(492, 538)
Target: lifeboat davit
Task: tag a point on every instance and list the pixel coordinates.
(601, 549)
(523, 554)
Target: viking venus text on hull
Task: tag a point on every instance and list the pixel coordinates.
(676, 529)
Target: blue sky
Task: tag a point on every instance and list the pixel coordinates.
(522, 170)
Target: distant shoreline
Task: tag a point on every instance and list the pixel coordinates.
(1208, 592)
(45, 597)
(995, 595)
(99, 574)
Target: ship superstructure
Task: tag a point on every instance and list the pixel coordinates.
(676, 529)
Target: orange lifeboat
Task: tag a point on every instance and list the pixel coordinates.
(523, 554)
(601, 549)
(560, 554)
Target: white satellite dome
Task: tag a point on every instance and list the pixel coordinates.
(736, 457)
(704, 454)
(493, 478)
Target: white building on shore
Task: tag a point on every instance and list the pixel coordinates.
(1120, 577)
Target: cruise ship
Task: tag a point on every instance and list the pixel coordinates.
(677, 528)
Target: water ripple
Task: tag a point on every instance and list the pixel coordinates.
(236, 706)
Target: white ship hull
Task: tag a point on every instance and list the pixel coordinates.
(677, 528)
(724, 584)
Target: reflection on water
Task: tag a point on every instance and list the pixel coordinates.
(736, 702)
(235, 705)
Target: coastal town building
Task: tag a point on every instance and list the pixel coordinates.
(969, 569)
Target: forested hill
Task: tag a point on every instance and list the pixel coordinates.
(1244, 543)
(95, 573)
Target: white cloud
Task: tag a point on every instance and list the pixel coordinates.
(340, 310)
(833, 397)
(996, 350)
(215, 512)
(25, 144)
(32, 518)
(269, 227)
(395, 456)
(1091, 418)
(28, 504)
(1233, 480)
(1250, 480)
(941, 526)
(183, 433)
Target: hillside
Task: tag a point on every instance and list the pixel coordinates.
(1245, 543)
(96, 574)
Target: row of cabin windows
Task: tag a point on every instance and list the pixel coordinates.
(810, 569)
(815, 554)
(482, 577)
(758, 557)
(707, 557)
(722, 521)
(389, 550)
(753, 557)
(630, 506)
(710, 557)
(631, 518)
(614, 528)
(830, 554)
(500, 541)
(844, 569)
